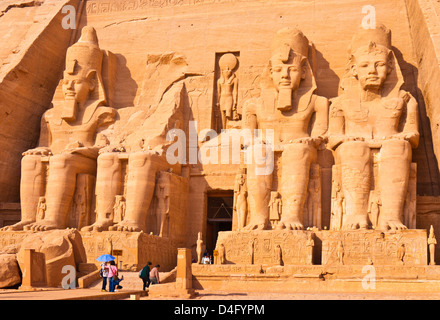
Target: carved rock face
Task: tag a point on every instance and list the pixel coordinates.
(77, 88)
(285, 75)
(371, 68)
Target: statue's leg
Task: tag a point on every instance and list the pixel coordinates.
(142, 169)
(354, 158)
(394, 166)
(295, 162)
(32, 185)
(61, 184)
(259, 185)
(108, 184)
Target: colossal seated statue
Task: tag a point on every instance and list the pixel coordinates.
(373, 122)
(131, 165)
(69, 139)
(286, 106)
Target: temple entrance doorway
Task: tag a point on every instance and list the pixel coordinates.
(220, 204)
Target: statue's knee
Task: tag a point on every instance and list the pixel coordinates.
(30, 162)
(107, 160)
(299, 152)
(59, 161)
(353, 150)
(139, 159)
(396, 148)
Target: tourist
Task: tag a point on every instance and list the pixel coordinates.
(113, 277)
(145, 275)
(104, 275)
(154, 275)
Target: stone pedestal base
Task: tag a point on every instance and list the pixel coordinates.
(271, 247)
(132, 250)
(363, 247)
(304, 247)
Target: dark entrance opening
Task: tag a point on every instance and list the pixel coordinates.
(220, 211)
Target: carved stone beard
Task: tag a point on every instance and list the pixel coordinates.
(284, 102)
(69, 110)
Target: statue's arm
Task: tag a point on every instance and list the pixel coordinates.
(235, 91)
(411, 126)
(320, 126)
(336, 128)
(45, 139)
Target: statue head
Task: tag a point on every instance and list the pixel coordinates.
(82, 73)
(288, 66)
(371, 58)
(227, 64)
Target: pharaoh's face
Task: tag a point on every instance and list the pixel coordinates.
(371, 68)
(76, 88)
(286, 75)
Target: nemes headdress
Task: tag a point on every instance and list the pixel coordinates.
(289, 43)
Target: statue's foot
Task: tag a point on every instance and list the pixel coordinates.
(355, 222)
(16, 227)
(130, 226)
(290, 224)
(98, 226)
(391, 225)
(255, 226)
(43, 225)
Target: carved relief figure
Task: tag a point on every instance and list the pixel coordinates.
(41, 208)
(310, 244)
(251, 248)
(227, 88)
(401, 253)
(278, 255)
(313, 198)
(285, 105)
(119, 208)
(373, 114)
(275, 207)
(162, 195)
(69, 135)
(340, 252)
(432, 241)
(240, 200)
(221, 254)
(337, 207)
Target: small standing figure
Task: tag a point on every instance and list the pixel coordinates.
(279, 255)
(401, 253)
(251, 251)
(41, 208)
(340, 252)
(240, 200)
(119, 208)
(227, 88)
(275, 208)
(431, 245)
(310, 244)
(221, 254)
(199, 248)
(337, 211)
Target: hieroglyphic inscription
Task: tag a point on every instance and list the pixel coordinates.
(260, 247)
(360, 247)
(96, 7)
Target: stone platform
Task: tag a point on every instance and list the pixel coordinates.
(132, 249)
(317, 278)
(307, 247)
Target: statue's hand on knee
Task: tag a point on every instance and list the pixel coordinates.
(40, 151)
